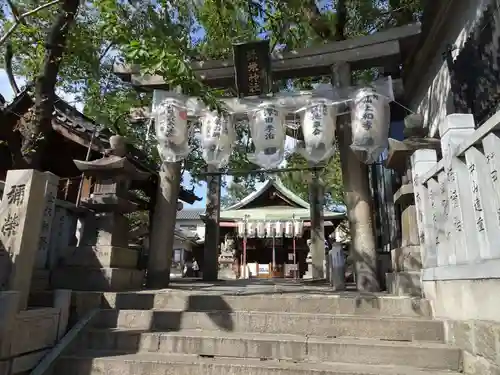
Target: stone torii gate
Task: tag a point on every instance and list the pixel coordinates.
(386, 50)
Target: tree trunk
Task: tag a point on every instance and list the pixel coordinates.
(357, 198)
(161, 241)
(39, 122)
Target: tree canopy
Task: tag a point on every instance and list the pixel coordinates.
(73, 45)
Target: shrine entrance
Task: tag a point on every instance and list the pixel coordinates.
(384, 50)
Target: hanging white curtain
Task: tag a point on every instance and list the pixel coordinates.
(318, 122)
(218, 137)
(370, 119)
(267, 128)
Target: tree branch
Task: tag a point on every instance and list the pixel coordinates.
(9, 54)
(316, 20)
(341, 20)
(14, 11)
(19, 18)
(41, 121)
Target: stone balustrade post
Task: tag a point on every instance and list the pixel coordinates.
(483, 168)
(454, 130)
(422, 161)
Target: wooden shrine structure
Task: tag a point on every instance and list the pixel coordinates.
(274, 202)
(386, 50)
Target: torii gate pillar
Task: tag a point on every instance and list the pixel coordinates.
(357, 197)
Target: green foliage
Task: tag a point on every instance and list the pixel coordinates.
(236, 191)
(331, 175)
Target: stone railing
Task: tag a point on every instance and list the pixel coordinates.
(458, 201)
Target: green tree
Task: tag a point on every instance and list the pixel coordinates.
(163, 37)
(331, 176)
(235, 192)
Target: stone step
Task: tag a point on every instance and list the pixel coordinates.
(160, 364)
(282, 347)
(323, 325)
(341, 303)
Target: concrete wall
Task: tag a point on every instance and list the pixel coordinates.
(466, 297)
(432, 97)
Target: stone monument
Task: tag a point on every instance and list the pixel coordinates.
(226, 258)
(103, 260)
(309, 273)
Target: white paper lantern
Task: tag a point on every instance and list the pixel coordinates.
(279, 229)
(289, 229)
(370, 116)
(241, 228)
(251, 229)
(217, 138)
(261, 229)
(318, 123)
(171, 128)
(269, 229)
(298, 228)
(267, 128)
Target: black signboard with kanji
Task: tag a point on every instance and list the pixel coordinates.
(252, 65)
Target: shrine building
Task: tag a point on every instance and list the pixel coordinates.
(273, 202)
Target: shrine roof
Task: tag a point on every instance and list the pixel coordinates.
(271, 183)
(276, 213)
(295, 206)
(190, 214)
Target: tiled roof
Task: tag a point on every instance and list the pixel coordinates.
(190, 214)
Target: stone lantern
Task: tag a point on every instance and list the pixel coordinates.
(103, 260)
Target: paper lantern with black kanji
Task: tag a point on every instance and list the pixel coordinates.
(267, 128)
(217, 138)
(171, 128)
(370, 116)
(318, 122)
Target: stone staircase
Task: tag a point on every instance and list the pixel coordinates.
(261, 333)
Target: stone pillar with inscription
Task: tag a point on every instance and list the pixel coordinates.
(22, 213)
(41, 273)
(407, 259)
(103, 260)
